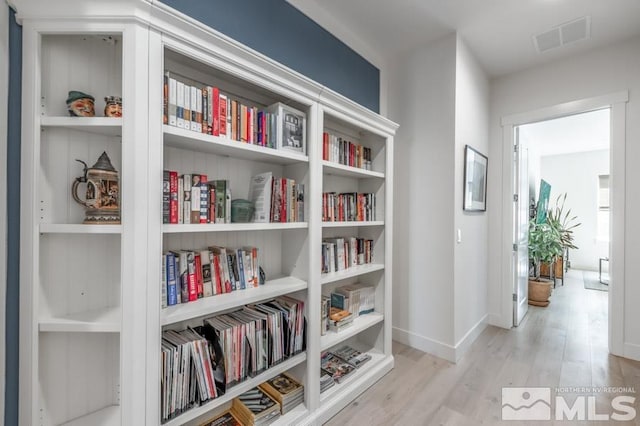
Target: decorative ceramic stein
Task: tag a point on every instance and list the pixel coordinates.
(113, 107)
(79, 104)
(102, 194)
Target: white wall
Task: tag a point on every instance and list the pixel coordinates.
(595, 73)
(440, 97)
(471, 254)
(422, 101)
(4, 85)
(577, 175)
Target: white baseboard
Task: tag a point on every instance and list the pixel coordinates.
(425, 344)
(463, 344)
(632, 351)
(498, 321)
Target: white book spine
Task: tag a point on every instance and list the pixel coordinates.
(172, 102)
(180, 104)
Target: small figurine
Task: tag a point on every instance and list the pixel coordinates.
(80, 104)
(113, 107)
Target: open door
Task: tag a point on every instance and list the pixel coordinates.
(521, 229)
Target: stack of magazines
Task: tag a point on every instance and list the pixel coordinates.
(326, 381)
(286, 390)
(255, 408)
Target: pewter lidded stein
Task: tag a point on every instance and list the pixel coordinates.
(102, 194)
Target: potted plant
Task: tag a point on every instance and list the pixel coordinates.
(545, 244)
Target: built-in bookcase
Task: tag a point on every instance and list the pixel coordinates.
(91, 297)
(73, 284)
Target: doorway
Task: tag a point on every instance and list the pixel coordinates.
(570, 155)
(617, 104)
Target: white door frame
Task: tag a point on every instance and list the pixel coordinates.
(617, 102)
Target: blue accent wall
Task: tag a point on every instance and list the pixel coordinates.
(12, 340)
(281, 32)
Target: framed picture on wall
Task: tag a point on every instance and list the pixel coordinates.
(475, 180)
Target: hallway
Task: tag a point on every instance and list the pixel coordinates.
(563, 345)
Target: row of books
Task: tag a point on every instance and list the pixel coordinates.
(191, 198)
(348, 206)
(342, 151)
(263, 404)
(341, 253)
(201, 363)
(189, 275)
(276, 199)
(205, 109)
(342, 362)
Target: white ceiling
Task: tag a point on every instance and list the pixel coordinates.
(499, 32)
(575, 133)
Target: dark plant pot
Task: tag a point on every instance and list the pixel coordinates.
(539, 292)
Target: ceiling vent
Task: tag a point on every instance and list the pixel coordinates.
(568, 33)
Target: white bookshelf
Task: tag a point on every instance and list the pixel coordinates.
(105, 320)
(109, 126)
(352, 272)
(223, 302)
(331, 168)
(360, 324)
(231, 227)
(91, 314)
(65, 228)
(350, 224)
(109, 416)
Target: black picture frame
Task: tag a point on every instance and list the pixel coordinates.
(475, 180)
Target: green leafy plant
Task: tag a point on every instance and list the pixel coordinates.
(545, 244)
(562, 222)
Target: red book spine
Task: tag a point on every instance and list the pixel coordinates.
(199, 281)
(212, 203)
(325, 146)
(173, 197)
(216, 274)
(222, 100)
(216, 112)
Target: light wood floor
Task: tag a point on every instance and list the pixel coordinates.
(562, 345)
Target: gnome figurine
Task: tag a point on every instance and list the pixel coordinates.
(79, 104)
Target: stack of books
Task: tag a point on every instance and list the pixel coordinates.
(326, 381)
(339, 319)
(255, 408)
(286, 390)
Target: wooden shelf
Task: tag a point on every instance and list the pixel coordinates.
(221, 302)
(354, 271)
(109, 416)
(187, 139)
(63, 228)
(237, 390)
(97, 321)
(228, 227)
(107, 126)
(331, 168)
(352, 224)
(361, 323)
